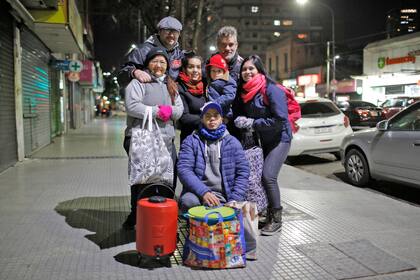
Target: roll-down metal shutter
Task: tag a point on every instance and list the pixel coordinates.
(36, 92)
(8, 142)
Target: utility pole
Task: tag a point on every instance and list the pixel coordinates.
(328, 68)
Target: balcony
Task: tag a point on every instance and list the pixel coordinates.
(61, 29)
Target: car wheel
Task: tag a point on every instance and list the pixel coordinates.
(357, 169)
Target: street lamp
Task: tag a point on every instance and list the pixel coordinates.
(330, 56)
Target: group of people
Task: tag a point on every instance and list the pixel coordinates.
(212, 103)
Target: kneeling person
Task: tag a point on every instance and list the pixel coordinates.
(211, 163)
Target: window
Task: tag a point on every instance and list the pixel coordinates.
(276, 34)
(277, 65)
(287, 22)
(276, 22)
(270, 66)
(409, 121)
(255, 47)
(254, 9)
(254, 35)
(318, 109)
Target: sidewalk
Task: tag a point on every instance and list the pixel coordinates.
(61, 212)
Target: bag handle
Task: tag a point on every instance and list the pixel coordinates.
(147, 117)
(219, 219)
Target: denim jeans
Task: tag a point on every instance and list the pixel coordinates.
(272, 165)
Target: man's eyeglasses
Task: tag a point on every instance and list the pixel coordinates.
(167, 31)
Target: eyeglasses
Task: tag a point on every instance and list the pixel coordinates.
(167, 31)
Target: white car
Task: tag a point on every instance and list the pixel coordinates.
(321, 128)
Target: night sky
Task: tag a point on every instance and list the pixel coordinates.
(357, 22)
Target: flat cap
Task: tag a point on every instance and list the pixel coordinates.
(169, 23)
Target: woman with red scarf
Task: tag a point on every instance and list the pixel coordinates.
(191, 90)
(261, 106)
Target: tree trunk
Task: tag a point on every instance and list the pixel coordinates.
(197, 26)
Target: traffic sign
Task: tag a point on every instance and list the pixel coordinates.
(76, 66)
(61, 64)
(73, 77)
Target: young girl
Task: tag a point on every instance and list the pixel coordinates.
(263, 108)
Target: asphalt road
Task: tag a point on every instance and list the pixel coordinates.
(328, 166)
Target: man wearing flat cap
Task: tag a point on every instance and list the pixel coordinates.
(167, 38)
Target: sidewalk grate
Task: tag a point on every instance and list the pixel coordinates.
(353, 259)
(334, 262)
(373, 257)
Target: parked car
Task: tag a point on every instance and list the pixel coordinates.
(391, 151)
(361, 113)
(321, 128)
(393, 105)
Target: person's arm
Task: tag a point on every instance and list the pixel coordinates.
(134, 93)
(186, 166)
(278, 108)
(135, 61)
(229, 93)
(241, 183)
(177, 108)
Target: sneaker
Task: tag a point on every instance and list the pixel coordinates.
(271, 228)
(274, 222)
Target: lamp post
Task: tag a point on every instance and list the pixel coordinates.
(329, 43)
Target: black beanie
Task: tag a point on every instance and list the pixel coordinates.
(154, 52)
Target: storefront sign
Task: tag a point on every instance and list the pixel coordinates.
(76, 66)
(289, 83)
(87, 74)
(383, 61)
(310, 79)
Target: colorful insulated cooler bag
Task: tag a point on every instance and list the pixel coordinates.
(216, 238)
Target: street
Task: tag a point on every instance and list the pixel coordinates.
(326, 165)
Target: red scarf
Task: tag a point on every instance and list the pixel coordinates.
(195, 88)
(252, 87)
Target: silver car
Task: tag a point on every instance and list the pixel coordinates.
(391, 151)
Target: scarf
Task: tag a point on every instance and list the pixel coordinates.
(253, 86)
(195, 88)
(212, 135)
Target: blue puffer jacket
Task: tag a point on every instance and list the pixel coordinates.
(234, 167)
(223, 92)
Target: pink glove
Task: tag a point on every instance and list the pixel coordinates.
(164, 113)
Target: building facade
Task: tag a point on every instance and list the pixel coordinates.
(38, 42)
(391, 68)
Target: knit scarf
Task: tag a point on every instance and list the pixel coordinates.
(195, 88)
(252, 87)
(212, 135)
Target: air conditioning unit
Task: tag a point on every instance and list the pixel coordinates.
(40, 4)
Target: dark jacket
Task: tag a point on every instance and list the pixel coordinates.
(270, 121)
(190, 118)
(137, 57)
(234, 167)
(223, 92)
(234, 66)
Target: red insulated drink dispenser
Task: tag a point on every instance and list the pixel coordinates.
(157, 224)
